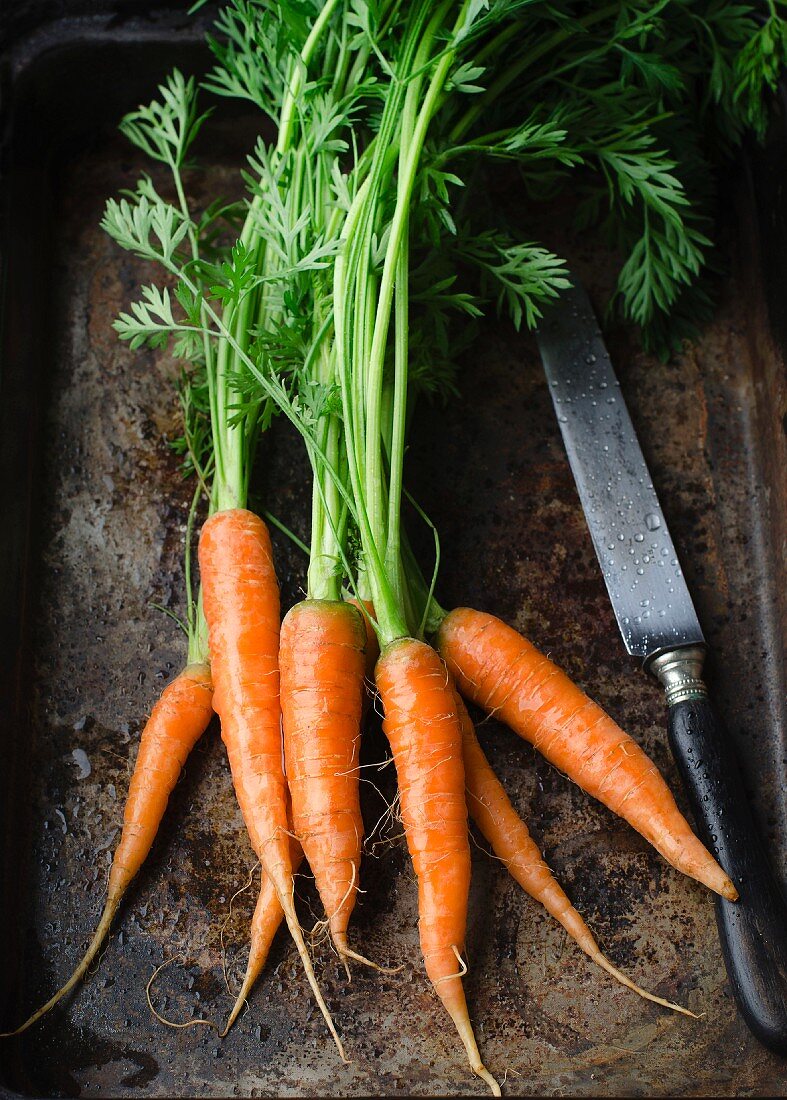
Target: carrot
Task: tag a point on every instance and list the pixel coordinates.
(504, 674)
(512, 843)
(241, 599)
(179, 718)
(322, 663)
(425, 734)
(268, 915)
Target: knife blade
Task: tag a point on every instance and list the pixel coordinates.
(659, 624)
(638, 560)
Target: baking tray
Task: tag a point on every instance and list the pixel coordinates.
(92, 525)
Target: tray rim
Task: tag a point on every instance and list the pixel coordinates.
(40, 46)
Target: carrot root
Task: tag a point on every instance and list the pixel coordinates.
(297, 934)
(265, 923)
(248, 983)
(503, 673)
(423, 727)
(178, 719)
(178, 1026)
(268, 915)
(242, 610)
(465, 1031)
(322, 686)
(347, 952)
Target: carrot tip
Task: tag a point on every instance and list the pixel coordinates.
(297, 934)
(110, 909)
(236, 1011)
(482, 1072)
(601, 960)
(465, 1029)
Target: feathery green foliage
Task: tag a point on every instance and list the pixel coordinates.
(367, 249)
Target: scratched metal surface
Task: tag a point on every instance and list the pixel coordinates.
(108, 513)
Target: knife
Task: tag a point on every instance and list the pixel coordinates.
(659, 625)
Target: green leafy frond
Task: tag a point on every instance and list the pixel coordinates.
(152, 230)
(520, 277)
(151, 321)
(757, 70)
(167, 127)
(252, 45)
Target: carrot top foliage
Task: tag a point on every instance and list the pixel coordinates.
(366, 248)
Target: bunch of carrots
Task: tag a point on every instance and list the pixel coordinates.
(335, 295)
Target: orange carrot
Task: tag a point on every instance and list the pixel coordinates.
(511, 842)
(268, 915)
(177, 721)
(499, 670)
(423, 729)
(322, 663)
(241, 601)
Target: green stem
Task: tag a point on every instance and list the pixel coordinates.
(198, 649)
(354, 294)
(274, 393)
(207, 347)
(295, 82)
(430, 612)
(233, 437)
(412, 134)
(393, 561)
(274, 521)
(390, 620)
(328, 524)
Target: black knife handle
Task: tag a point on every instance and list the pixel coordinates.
(753, 930)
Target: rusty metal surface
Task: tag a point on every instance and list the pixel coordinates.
(109, 514)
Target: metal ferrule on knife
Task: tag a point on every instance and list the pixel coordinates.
(679, 671)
